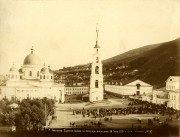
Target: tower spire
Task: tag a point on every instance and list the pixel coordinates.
(96, 79)
(97, 32)
(32, 50)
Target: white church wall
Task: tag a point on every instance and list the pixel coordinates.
(34, 69)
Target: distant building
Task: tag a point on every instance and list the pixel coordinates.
(76, 90)
(32, 80)
(169, 95)
(160, 96)
(136, 87)
(147, 97)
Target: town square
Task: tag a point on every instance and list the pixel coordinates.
(110, 67)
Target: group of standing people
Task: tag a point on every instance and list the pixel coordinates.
(140, 107)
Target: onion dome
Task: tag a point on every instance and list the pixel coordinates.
(45, 70)
(32, 59)
(20, 70)
(13, 69)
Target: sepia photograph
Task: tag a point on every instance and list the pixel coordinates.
(89, 68)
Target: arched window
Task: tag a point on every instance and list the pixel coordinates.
(12, 76)
(97, 59)
(96, 84)
(30, 73)
(40, 77)
(51, 77)
(38, 74)
(138, 86)
(44, 76)
(96, 70)
(47, 77)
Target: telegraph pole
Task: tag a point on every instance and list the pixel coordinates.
(45, 115)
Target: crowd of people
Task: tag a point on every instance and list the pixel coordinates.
(142, 107)
(134, 107)
(85, 125)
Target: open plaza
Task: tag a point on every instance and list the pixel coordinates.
(113, 113)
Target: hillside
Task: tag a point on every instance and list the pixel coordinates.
(130, 54)
(152, 64)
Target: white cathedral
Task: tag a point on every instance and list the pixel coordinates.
(32, 80)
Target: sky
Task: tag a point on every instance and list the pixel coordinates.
(63, 32)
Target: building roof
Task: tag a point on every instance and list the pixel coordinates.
(14, 105)
(45, 70)
(163, 89)
(130, 83)
(173, 78)
(32, 59)
(86, 95)
(142, 83)
(96, 46)
(14, 69)
(71, 86)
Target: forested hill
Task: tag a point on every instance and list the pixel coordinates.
(152, 64)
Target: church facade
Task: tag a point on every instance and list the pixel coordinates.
(32, 80)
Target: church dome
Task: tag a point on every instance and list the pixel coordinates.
(20, 70)
(32, 59)
(44, 70)
(13, 69)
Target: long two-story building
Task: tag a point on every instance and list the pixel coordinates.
(136, 87)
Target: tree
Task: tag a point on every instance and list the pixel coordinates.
(30, 114)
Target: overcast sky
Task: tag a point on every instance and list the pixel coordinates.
(63, 31)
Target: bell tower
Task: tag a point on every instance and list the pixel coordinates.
(96, 78)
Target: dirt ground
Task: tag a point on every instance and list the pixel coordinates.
(65, 116)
